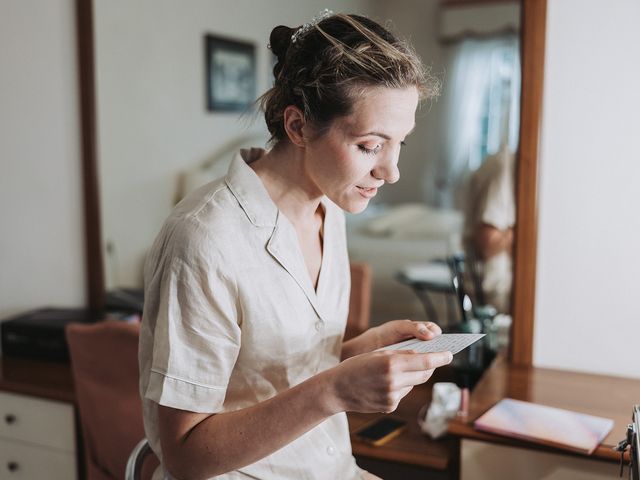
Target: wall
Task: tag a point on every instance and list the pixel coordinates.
(151, 102)
(41, 237)
(416, 20)
(587, 315)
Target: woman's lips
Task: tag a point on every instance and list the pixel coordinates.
(367, 192)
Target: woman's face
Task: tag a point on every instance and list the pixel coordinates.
(360, 152)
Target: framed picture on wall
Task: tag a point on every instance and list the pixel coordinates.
(230, 74)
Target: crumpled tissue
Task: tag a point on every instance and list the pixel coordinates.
(444, 405)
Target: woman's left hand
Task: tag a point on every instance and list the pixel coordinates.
(396, 331)
(389, 333)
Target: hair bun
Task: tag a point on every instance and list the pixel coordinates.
(279, 40)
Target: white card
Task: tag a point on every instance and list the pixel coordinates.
(451, 342)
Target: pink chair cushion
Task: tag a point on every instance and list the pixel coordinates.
(104, 360)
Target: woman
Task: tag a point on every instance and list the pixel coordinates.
(243, 370)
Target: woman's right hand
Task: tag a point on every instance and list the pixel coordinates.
(377, 381)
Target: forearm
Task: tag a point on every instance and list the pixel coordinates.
(228, 441)
(363, 343)
(490, 241)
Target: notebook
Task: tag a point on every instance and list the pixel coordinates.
(550, 426)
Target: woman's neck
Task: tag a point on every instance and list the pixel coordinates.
(282, 171)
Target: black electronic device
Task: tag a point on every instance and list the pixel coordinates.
(380, 431)
(40, 334)
(125, 300)
(631, 444)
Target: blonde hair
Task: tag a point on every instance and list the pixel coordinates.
(330, 64)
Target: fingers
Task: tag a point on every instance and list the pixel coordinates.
(411, 379)
(412, 361)
(421, 330)
(394, 399)
(426, 330)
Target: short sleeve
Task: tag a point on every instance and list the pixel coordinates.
(498, 201)
(190, 306)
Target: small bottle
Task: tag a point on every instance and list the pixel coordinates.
(463, 411)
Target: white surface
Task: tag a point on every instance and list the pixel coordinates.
(484, 461)
(447, 342)
(42, 239)
(35, 462)
(37, 421)
(435, 272)
(587, 315)
(41, 439)
(417, 20)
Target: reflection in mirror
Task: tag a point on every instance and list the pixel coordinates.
(454, 208)
(157, 141)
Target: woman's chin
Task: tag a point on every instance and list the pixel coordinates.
(355, 207)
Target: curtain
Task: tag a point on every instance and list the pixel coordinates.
(481, 110)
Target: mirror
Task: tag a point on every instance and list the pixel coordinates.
(153, 125)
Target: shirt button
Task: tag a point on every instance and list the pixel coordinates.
(318, 326)
(331, 450)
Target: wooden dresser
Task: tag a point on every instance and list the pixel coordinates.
(38, 426)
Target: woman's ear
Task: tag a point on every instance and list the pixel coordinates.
(294, 124)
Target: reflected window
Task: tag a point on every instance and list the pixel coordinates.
(481, 107)
(501, 109)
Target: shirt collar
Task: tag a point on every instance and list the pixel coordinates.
(249, 190)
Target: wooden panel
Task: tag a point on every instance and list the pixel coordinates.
(526, 232)
(41, 422)
(92, 224)
(483, 461)
(50, 380)
(23, 462)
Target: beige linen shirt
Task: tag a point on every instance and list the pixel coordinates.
(492, 201)
(231, 318)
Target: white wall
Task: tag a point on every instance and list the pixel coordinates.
(587, 316)
(418, 22)
(151, 102)
(41, 236)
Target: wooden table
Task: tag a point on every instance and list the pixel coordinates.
(601, 395)
(49, 380)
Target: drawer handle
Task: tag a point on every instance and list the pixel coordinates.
(10, 418)
(13, 466)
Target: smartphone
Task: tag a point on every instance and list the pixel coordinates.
(380, 431)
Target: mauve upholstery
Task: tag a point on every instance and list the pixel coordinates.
(104, 361)
(359, 300)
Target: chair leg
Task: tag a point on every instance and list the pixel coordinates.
(136, 460)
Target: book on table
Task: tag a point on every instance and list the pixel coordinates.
(549, 426)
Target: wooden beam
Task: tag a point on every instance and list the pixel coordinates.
(92, 223)
(533, 23)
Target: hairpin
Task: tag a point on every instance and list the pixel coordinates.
(308, 26)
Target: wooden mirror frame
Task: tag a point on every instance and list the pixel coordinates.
(533, 30)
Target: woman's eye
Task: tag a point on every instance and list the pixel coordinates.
(369, 151)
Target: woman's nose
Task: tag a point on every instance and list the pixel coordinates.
(387, 169)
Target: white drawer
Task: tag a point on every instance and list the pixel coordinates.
(20, 461)
(34, 420)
